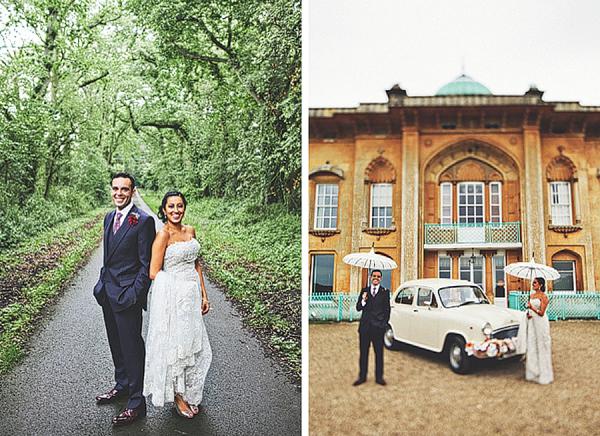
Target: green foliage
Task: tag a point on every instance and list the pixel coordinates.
(38, 214)
(233, 98)
(81, 237)
(50, 166)
(204, 96)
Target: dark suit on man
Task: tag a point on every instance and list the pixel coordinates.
(122, 291)
(373, 322)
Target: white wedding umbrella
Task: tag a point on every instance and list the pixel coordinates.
(530, 270)
(369, 260)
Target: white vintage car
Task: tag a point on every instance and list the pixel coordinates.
(454, 317)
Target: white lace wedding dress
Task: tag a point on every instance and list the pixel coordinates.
(538, 364)
(178, 353)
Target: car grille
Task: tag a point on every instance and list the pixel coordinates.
(506, 332)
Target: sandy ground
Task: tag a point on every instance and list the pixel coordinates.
(424, 397)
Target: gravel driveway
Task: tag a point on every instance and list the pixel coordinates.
(424, 397)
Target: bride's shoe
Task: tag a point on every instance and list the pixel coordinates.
(193, 408)
(185, 413)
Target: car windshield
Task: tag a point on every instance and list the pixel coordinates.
(462, 295)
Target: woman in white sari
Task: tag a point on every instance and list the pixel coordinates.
(538, 363)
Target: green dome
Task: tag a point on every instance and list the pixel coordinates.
(463, 85)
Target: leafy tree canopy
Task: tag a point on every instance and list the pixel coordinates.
(203, 96)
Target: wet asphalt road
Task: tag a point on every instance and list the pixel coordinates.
(52, 392)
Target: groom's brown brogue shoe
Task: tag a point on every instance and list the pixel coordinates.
(111, 396)
(129, 416)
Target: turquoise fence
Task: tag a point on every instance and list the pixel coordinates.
(342, 307)
(563, 306)
(333, 307)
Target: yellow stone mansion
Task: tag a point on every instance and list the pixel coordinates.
(456, 185)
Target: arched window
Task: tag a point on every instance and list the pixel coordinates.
(470, 195)
(380, 177)
(568, 265)
(326, 181)
(561, 174)
(322, 273)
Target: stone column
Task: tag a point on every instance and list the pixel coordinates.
(489, 269)
(577, 203)
(532, 198)
(409, 255)
(455, 255)
(587, 262)
(357, 216)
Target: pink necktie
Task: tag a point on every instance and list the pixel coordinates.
(117, 223)
(373, 291)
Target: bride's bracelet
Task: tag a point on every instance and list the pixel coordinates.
(204, 299)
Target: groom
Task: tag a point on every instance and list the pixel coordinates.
(374, 302)
(122, 292)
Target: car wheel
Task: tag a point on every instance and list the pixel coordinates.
(458, 359)
(388, 339)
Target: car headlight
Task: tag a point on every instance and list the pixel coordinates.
(486, 329)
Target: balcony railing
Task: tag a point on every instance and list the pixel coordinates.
(468, 234)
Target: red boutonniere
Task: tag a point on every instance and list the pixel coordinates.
(133, 219)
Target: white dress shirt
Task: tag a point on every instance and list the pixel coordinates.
(371, 291)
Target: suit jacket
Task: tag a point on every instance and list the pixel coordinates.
(376, 313)
(124, 277)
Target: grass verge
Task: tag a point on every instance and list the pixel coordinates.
(254, 254)
(35, 272)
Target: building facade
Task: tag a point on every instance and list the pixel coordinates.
(456, 185)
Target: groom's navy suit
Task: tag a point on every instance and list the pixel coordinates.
(122, 291)
(373, 322)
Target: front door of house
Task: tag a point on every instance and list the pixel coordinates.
(500, 293)
(471, 268)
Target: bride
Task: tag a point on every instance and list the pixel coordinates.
(538, 366)
(178, 351)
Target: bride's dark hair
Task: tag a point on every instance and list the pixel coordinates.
(541, 281)
(161, 208)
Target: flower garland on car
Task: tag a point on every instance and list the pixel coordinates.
(492, 348)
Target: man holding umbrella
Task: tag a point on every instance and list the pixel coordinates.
(374, 303)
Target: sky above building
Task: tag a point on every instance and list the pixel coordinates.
(357, 49)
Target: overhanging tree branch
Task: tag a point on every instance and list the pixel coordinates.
(102, 21)
(89, 82)
(176, 126)
(232, 62)
(211, 35)
(173, 125)
(192, 55)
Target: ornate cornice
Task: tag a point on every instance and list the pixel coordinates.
(323, 234)
(564, 229)
(389, 171)
(379, 231)
(331, 169)
(561, 161)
